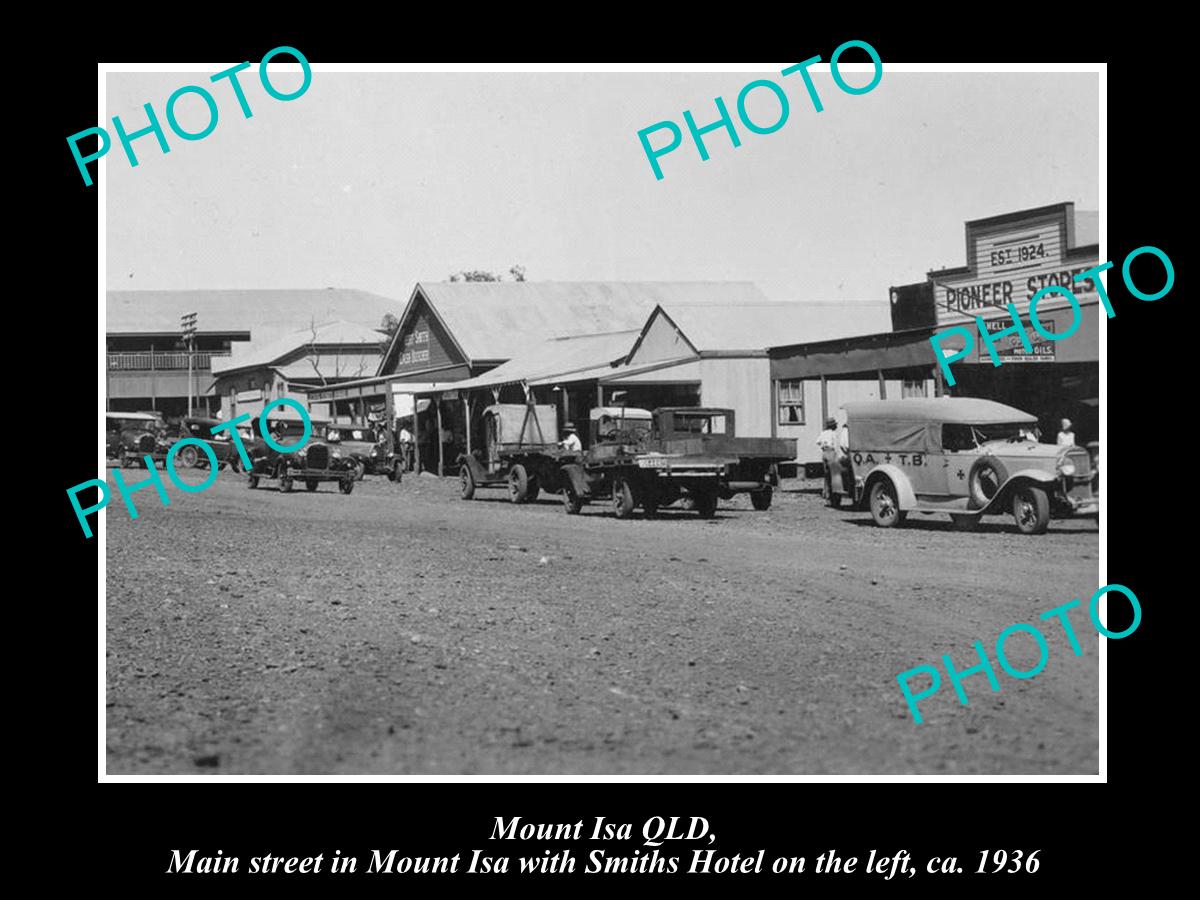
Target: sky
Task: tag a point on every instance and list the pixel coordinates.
(377, 181)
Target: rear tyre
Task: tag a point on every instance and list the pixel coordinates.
(623, 503)
(468, 482)
(1031, 510)
(311, 484)
(761, 500)
(885, 509)
(518, 484)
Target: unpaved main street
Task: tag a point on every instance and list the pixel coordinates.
(403, 630)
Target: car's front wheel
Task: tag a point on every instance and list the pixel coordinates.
(346, 485)
(252, 480)
(468, 482)
(885, 509)
(1031, 510)
(311, 484)
(285, 484)
(622, 495)
(396, 472)
(188, 456)
(571, 502)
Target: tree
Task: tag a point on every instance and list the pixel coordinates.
(517, 272)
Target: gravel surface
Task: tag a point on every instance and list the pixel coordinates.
(401, 629)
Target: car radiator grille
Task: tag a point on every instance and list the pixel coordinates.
(1082, 462)
(318, 457)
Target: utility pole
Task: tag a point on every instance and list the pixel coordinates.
(188, 327)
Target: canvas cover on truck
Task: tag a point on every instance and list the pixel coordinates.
(518, 425)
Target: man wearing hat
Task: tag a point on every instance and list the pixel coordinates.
(570, 441)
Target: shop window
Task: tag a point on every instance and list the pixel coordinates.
(914, 387)
(791, 401)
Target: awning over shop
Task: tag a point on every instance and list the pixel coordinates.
(868, 353)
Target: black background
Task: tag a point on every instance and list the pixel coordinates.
(1089, 835)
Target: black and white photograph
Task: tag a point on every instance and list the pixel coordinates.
(611, 421)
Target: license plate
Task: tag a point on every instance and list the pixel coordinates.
(653, 462)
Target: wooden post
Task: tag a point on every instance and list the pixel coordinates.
(882, 385)
(599, 394)
(441, 448)
(153, 381)
(824, 400)
(416, 435)
(939, 388)
(467, 420)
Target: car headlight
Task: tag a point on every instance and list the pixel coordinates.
(1066, 468)
(337, 454)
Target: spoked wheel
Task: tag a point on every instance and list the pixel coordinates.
(761, 500)
(311, 484)
(885, 509)
(188, 456)
(468, 482)
(622, 495)
(571, 502)
(1031, 510)
(518, 484)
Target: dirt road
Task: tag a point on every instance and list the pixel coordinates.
(402, 630)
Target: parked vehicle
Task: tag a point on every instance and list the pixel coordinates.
(221, 444)
(520, 453)
(140, 438)
(963, 456)
(318, 461)
(650, 460)
(370, 447)
(118, 422)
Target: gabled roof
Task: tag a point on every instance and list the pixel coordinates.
(264, 313)
(280, 351)
(502, 320)
(755, 326)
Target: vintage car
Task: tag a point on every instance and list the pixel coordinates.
(688, 455)
(520, 453)
(140, 438)
(371, 448)
(318, 460)
(118, 423)
(963, 456)
(221, 444)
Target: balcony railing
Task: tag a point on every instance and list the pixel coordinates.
(148, 361)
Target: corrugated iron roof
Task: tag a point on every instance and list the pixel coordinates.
(324, 336)
(332, 365)
(961, 410)
(505, 319)
(758, 325)
(264, 313)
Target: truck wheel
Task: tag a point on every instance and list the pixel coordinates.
(285, 484)
(252, 481)
(1031, 509)
(885, 509)
(571, 502)
(468, 482)
(518, 484)
(311, 484)
(346, 485)
(965, 523)
(706, 504)
(622, 498)
(761, 500)
(188, 456)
